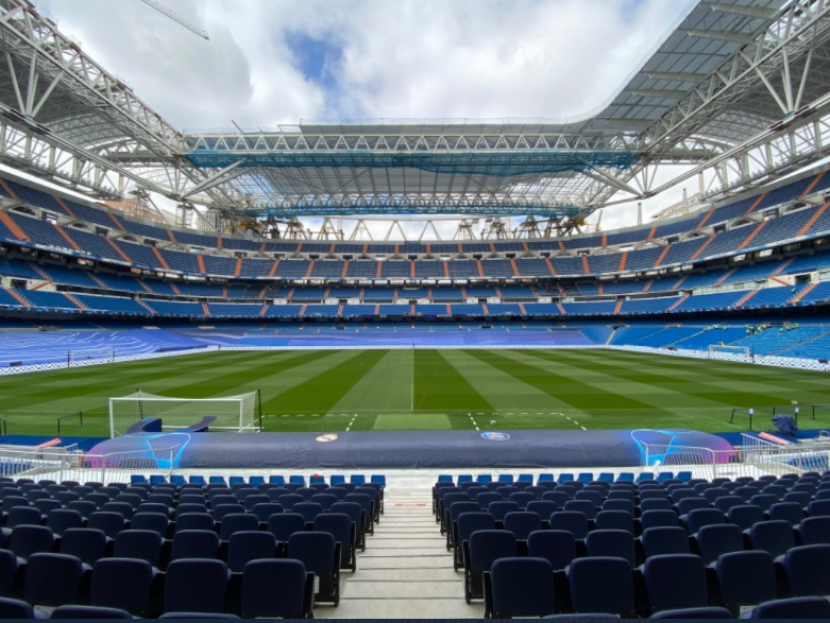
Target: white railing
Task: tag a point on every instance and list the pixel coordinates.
(757, 458)
(59, 464)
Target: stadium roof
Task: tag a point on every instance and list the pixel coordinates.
(737, 91)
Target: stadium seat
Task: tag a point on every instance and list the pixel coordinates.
(521, 524)
(88, 613)
(343, 529)
(259, 599)
(194, 544)
(320, 554)
(195, 521)
(659, 519)
(806, 569)
(572, 521)
(664, 540)
(675, 581)
(586, 507)
(713, 540)
(467, 524)
(485, 546)
(246, 546)
(602, 584)
(155, 522)
(814, 530)
(263, 511)
(195, 586)
(140, 544)
(745, 579)
(816, 608)
(611, 543)
(745, 515)
(521, 587)
(15, 609)
(615, 520)
(237, 522)
(774, 537)
(282, 526)
(53, 579)
(26, 540)
(697, 614)
(791, 512)
(89, 545)
(62, 519)
(123, 583)
(107, 522)
(357, 515)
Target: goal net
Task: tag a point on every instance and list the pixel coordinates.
(232, 413)
(737, 352)
(82, 356)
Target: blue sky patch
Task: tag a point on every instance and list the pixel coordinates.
(317, 59)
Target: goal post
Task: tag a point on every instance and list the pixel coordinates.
(241, 413)
(83, 356)
(741, 352)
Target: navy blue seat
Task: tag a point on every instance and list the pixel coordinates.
(75, 612)
(244, 547)
(713, 540)
(572, 521)
(141, 544)
(614, 520)
(26, 540)
(343, 529)
(53, 579)
(813, 530)
(237, 522)
(557, 546)
(259, 599)
(745, 516)
(62, 519)
(700, 517)
(108, 522)
(745, 579)
(88, 544)
(485, 546)
(816, 608)
(675, 581)
(124, 583)
(320, 554)
(791, 512)
(155, 522)
(522, 523)
(543, 508)
(613, 543)
(8, 572)
(774, 536)
(282, 526)
(659, 519)
(657, 503)
(194, 544)
(219, 512)
(521, 587)
(586, 507)
(664, 540)
(467, 524)
(195, 585)
(697, 614)
(726, 502)
(807, 570)
(602, 584)
(358, 516)
(264, 510)
(15, 609)
(499, 509)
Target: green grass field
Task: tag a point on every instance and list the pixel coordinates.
(359, 390)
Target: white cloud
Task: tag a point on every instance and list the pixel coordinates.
(412, 59)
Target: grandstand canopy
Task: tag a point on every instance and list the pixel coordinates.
(737, 91)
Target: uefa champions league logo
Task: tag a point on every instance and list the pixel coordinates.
(495, 436)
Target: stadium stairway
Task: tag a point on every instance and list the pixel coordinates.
(406, 571)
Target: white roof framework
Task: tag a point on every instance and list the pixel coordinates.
(740, 90)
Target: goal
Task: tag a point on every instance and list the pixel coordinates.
(739, 352)
(83, 356)
(240, 413)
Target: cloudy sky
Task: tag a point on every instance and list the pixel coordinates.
(282, 61)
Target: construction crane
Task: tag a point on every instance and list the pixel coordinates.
(176, 18)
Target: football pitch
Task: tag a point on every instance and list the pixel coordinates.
(363, 390)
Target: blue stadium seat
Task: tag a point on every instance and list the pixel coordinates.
(664, 540)
(612, 543)
(194, 544)
(814, 530)
(320, 554)
(485, 546)
(195, 585)
(521, 587)
(745, 579)
(140, 544)
(713, 540)
(675, 581)
(155, 522)
(244, 547)
(806, 569)
(53, 579)
(602, 584)
(572, 521)
(89, 612)
(123, 583)
(557, 546)
(774, 537)
(87, 544)
(697, 614)
(237, 522)
(344, 531)
(15, 609)
(521, 524)
(815, 608)
(259, 599)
